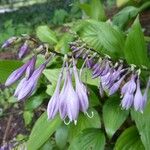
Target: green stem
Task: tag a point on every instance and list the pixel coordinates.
(144, 6)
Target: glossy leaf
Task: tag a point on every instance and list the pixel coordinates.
(97, 10)
(93, 139)
(135, 47)
(45, 34)
(103, 38)
(129, 139)
(84, 122)
(34, 101)
(125, 15)
(61, 136)
(7, 67)
(41, 131)
(113, 115)
(143, 124)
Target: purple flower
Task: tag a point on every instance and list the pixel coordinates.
(116, 86)
(29, 85)
(130, 86)
(23, 50)
(81, 92)
(139, 102)
(89, 63)
(17, 74)
(127, 101)
(53, 105)
(69, 102)
(31, 67)
(9, 42)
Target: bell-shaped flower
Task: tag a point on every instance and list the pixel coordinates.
(69, 102)
(130, 86)
(16, 75)
(116, 86)
(127, 101)
(81, 92)
(138, 98)
(19, 87)
(53, 105)
(30, 85)
(9, 42)
(31, 67)
(23, 50)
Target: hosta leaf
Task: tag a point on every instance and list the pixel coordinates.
(113, 115)
(103, 38)
(135, 47)
(41, 131)
(97, 10)
(129, 140)
(84, 122)
(123, 16)
(142, 121)
(63, 44)
(45, 34)
(89, 139)
(61, 136)
(7, 67)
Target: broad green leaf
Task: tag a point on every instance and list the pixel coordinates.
(61, 136)
(7, 67)
(87, 78)
(135, 47)
(63, 45)
(142, 121)
(125, 15)
(52, 76)
(86, 8)
(94, 97)
(129, 140)
(27, 116)
(35, 101)
(113, 115)
(84, 122)
(103, 38)
(97, 10)
(89, 139)
(41, 131)
(45, 34)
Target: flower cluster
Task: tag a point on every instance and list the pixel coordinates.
(112, 76)
(28, 73)
(68, 101)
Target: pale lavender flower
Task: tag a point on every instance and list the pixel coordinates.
(23, 50)
(17, 74)
(9, 42)
(29, 85)
(127, 101)
(89, 63)
(139, 102)
(81, 92)
(130, 86)
(31, 67)
(53, 105)
(69, 102)
(116, 85)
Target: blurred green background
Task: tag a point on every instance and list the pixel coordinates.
(23, 16)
